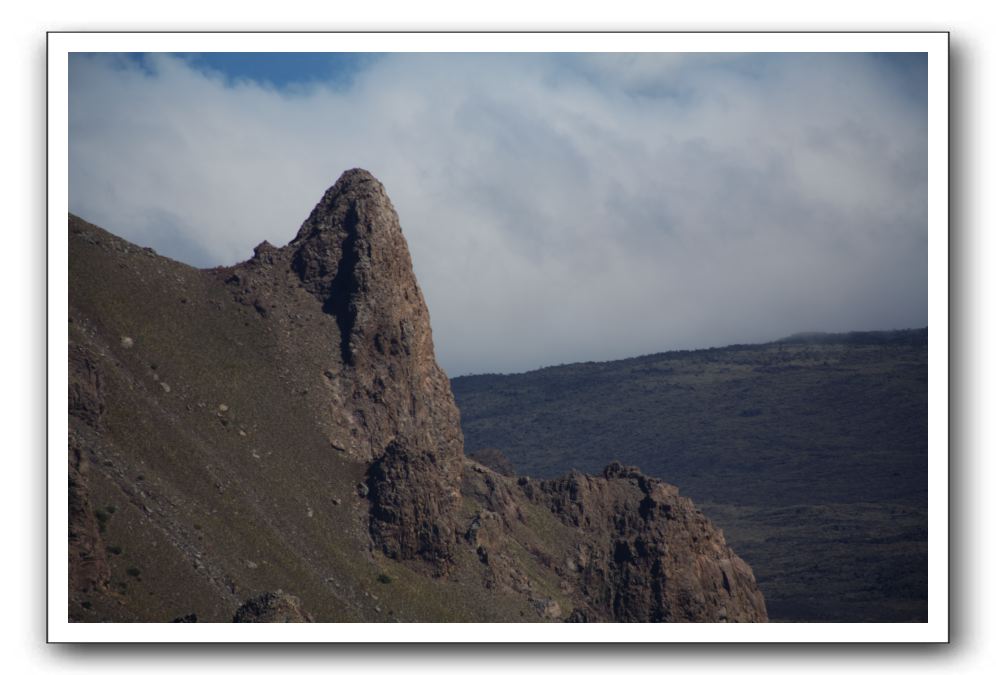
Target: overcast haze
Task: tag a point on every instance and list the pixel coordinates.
(558, 208)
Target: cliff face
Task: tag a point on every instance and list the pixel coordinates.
(384, 388)
(283, 423)
(649, 554)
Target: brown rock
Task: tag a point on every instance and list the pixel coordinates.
(649, 554)
(276, 607)
(86, 401)
(413, 502)
(88, 567)
(351, 257)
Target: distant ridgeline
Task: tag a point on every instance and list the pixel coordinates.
(810, 452)
(909, 336)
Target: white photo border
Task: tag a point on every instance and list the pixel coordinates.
(935, 44)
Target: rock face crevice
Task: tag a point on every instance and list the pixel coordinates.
(343, 289)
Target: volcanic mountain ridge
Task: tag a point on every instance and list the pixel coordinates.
(274, 441)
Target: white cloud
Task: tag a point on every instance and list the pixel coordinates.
(558, 208)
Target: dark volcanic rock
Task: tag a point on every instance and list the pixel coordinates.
(412, 504)
(385, 387)
(650, 555)
(85, 400)
(350, 253)
(88, 568)
(278, 607)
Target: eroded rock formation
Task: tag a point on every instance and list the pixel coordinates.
(283, 423)
(649, 554)
(384, 385)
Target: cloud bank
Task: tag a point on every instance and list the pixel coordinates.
(559, 208)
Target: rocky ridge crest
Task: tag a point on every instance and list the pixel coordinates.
(339, 318)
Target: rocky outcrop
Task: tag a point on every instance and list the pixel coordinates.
(86, 402)
(350, 253)
(88, 568)
(384, 385)
(648, 553)
(631, 549)
(412, 503)
(275, 607)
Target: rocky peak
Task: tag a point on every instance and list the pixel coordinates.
(382, 397)
(354, 186)
(350, 252)
(351, 255)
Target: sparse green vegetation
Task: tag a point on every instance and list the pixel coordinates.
(134, 572)
(384, 578)
(115, 550)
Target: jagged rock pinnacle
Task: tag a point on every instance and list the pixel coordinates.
(351, 254)
(353, 186)
(384, 398)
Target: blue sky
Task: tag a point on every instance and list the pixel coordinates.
(281, 70)
(559, 207)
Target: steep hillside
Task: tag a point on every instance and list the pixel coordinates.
(810, 452)
(274, 441)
